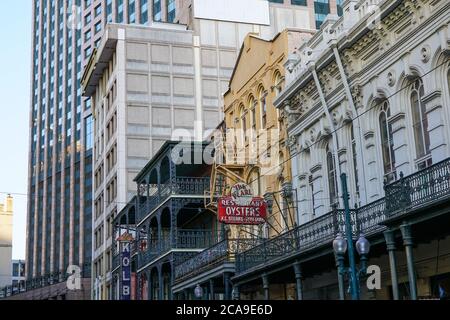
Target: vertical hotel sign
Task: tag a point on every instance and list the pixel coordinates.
(125, 262)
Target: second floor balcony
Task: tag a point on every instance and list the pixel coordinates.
(181, 186)
(404, 198)
(186, 240)
(178, 169)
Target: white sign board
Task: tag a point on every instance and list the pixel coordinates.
(244, 11)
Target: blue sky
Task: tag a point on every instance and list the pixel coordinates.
(15, 61)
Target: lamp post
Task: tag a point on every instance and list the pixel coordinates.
(198, 292)
(341, 245)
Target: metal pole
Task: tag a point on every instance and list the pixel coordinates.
(237, 295)
(265, 279)
(408, 242)
(354, 285)
(340, 269)
(298, 280)
(227, 286)
(390, 244)
(211, 289)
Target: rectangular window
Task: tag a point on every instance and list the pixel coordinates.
(144, 11)
(87, 19)
(131, 11)
(321, 10)
(299, 2)
(340, 10)
(89, 133)
(108, 11)
(171, 10)
(98, 10)
(98, 27)
(157, 10)
(119, 11)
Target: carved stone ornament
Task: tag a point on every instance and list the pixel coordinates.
(425, 54)
(391, 78)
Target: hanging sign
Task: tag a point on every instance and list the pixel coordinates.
(125, 260)
(241, 207)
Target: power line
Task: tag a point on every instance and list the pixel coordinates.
(295, 153)
(343, 126)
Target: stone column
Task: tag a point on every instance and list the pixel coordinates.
(408, 243)
(298, 280)
(389, 236)
(236, 293)
(226, 279)
(161, 284)
(265, 279)
(211, 289)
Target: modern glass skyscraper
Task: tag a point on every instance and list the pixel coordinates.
(59, 221)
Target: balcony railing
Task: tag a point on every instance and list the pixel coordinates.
(309, 235)
(42, 282)
(182, 186)
(183, 239)
(419, 189)
(224, 251)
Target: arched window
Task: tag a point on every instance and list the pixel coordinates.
(243, 122)
(277, 83)
(263, 107)
(252, 108)
(355, 160)
(420, 122)
(254, 181)
(387, 143)
(332, 179)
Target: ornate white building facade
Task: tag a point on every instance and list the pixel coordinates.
(368, 96)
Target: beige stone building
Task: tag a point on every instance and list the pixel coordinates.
(261, 153)
(6, 229)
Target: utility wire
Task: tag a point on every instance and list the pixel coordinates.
(343, 126)
(298, 152)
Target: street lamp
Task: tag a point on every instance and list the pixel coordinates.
(198, 292)
(342, 245)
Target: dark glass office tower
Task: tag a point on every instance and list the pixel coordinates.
(59, 221)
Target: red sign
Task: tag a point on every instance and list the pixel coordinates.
(230, 212)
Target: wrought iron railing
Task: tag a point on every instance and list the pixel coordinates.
(223, 251)
(41, 282)
(371, 216)
(182, 186)
(309, 235)
(183, 239)
(419, 189)
(416, 191)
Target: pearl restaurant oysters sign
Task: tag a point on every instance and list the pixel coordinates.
(241, 207)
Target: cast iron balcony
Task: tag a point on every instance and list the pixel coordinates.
(421, 189)
(222, 252)
(313, 234)
(194, 186)
(415, 192)
(183, 239)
